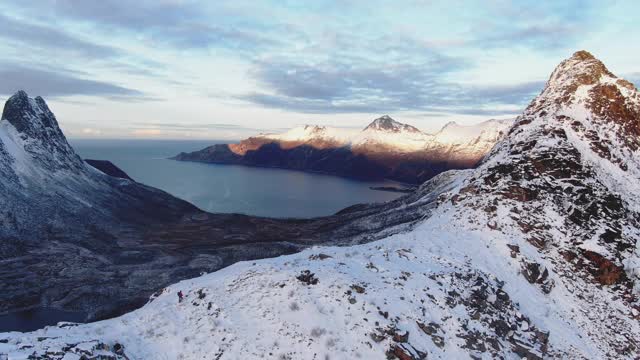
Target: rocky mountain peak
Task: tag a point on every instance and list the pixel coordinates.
(33, 128)
(583, 84)
(386, 123)
(582, 66)
(579, 72)
(29, 116)
(564, 180)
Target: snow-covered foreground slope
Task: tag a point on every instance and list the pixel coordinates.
(451, 294)
(534, 254)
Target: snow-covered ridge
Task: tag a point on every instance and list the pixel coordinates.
(397, 136)
(454, 133)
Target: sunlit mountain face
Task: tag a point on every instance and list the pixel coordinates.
(384, 149)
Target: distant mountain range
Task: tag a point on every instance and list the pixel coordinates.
(385, 149)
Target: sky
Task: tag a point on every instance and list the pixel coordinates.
(181, 69)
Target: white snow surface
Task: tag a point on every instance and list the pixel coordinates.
(259, 309)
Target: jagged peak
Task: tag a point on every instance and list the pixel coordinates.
(31, 125)
(29, 116)
(386, 123)
(586, 108)
(583, 55)
(582, 68)
(585, 80)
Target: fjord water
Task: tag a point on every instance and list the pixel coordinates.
(231, 188)
(33, 319)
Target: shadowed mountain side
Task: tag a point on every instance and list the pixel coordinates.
(363, 164)
(108, 168)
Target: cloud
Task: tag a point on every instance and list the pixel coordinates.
(540, 26)
(50, 83)
(534, 36)
(512, 94)
(46, 37)
(192, 126)
(90, 132)
(341, 88)
(182, 24)
(128, 14)
(147, 132)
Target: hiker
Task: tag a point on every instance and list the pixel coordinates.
(180, 296)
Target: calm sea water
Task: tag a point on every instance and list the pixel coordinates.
(30, 320)
(231, 188)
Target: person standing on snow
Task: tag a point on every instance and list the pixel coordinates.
(180, 296)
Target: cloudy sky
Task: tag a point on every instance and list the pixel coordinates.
(228, 69)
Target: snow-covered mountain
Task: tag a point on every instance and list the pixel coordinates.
(383, 149)
(39, 166)
(386, 124)
(390, 135)
(470, 140)
(534, 254)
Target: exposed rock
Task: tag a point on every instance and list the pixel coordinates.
(307, 277)
(537, 274)
(604, 270)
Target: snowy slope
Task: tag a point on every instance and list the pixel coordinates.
(531, 255)
(487, 131)
(341, 136)
(470, 141)
(451, 294)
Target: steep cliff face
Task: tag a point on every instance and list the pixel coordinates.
(384, 149)
(534, 254)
